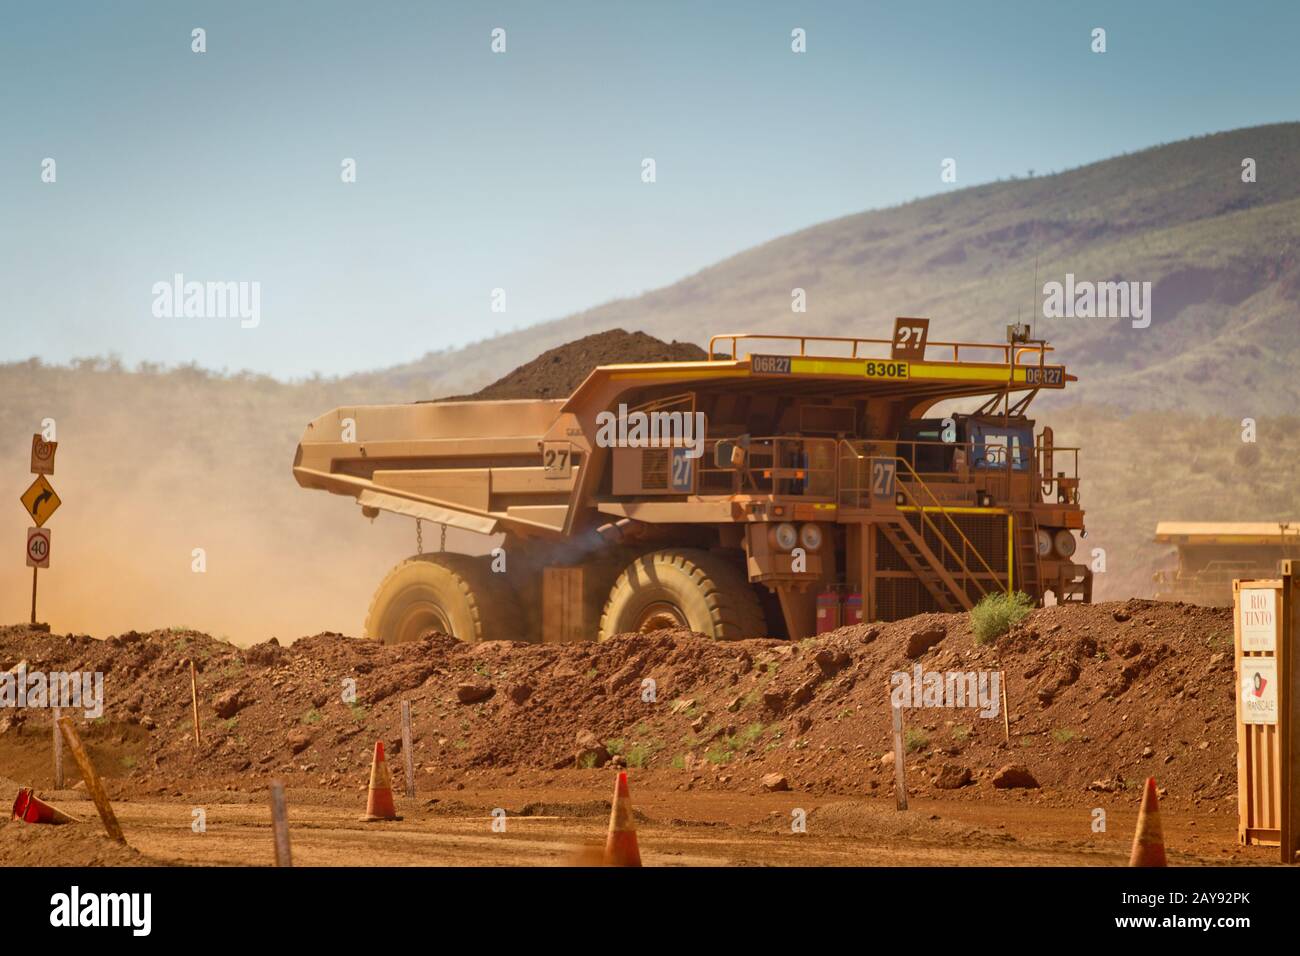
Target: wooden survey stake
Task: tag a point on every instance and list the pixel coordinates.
(406, 749)
(58, 751)
(900, 783)
(194, 701)
(93, 783)
(280, 825)
(1006, 716)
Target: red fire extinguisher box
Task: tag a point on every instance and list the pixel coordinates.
(852, 609)
(828, 611)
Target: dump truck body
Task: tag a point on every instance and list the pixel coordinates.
(811, 473)
(1213, 554)
(471, 465)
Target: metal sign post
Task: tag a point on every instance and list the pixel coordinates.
(38, 556)
(1265, 617)
(40, 501)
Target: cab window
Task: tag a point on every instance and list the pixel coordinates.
(992, 447)
(923, 446)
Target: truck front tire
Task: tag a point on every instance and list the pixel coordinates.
(683, 587)
(453, 593)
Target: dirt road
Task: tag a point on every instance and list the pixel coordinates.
(1099, 697)
(556, 825)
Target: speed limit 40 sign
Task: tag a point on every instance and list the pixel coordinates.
(38, 547)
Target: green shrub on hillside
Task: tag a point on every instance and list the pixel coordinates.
(997, 613)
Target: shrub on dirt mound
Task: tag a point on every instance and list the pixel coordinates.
(558, 373)
(997, 613)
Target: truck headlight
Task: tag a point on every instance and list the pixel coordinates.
(810, 536)
(784, 536)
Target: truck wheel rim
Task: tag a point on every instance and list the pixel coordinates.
(660, 616)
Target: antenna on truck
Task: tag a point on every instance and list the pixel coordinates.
(1033, 291)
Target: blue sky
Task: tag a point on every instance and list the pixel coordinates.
(522, 170)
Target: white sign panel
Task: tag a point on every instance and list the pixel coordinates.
(38, 547)
(1259, 690)
(1258, 610)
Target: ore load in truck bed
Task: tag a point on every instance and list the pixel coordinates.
(558, 372)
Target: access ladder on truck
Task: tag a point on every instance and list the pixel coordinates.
(909, 515)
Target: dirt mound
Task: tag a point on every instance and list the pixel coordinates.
(1099, 698)
(74, 844)
(558, 373)
(8, 788)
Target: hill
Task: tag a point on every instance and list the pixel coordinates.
(1221, 256)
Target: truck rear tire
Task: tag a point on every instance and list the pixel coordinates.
(453, 593)
(683, 587)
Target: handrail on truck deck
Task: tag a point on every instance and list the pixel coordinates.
(1011, 353)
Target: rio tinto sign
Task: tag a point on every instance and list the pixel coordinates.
(1257, 610)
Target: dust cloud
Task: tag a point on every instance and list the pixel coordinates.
(153, 465)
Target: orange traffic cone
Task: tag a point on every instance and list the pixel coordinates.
(620, 845)
(30, 808)
(1148, 841)
(379, 802)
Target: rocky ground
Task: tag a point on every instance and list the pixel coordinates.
(1099, 697)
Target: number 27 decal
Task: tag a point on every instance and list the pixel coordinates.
(682, 471)
(882, 478)
(557, 459)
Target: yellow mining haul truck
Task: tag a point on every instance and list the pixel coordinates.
(1213, 554)
(782, 487)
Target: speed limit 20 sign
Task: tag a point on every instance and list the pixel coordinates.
(38, 547)
(43, 455)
